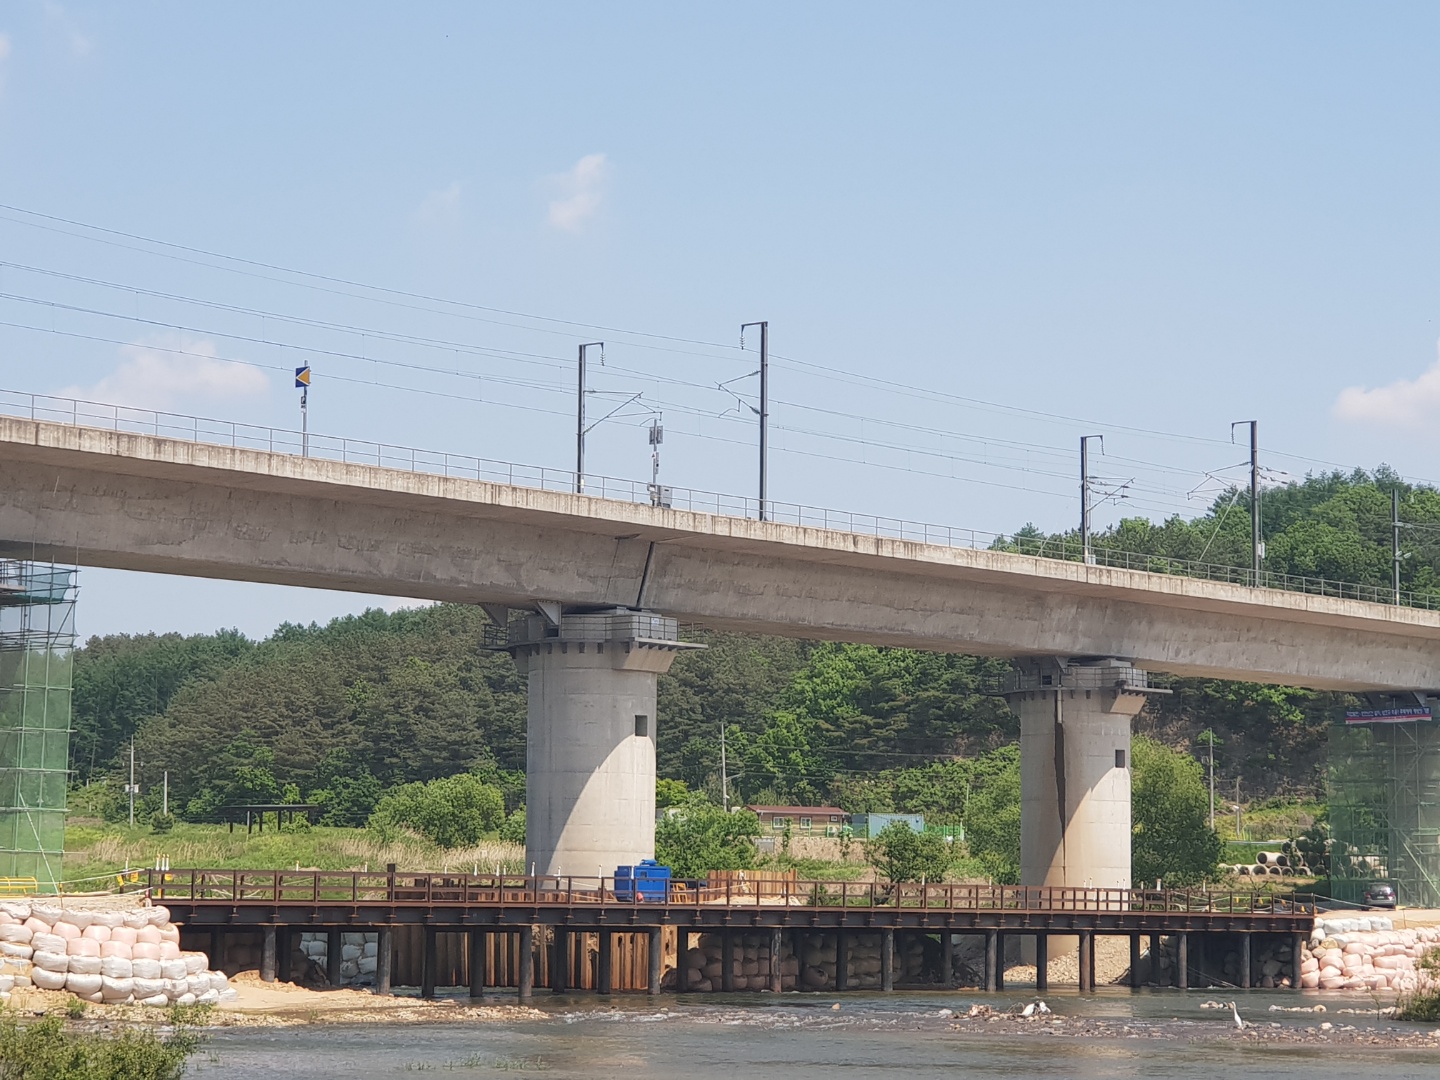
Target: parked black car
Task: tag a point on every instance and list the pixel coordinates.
(1379, 894)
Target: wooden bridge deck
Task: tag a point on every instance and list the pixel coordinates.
(456, 901)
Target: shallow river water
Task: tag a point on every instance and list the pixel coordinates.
(1142, 1035)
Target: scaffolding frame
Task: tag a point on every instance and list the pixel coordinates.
(37, 645)
(1384, 790)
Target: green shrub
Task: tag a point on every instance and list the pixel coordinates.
(455, 811)
(514, 827)
(162, 823)
(45, 1050)
(698, 836)
(1424, 1004)
(899, 853)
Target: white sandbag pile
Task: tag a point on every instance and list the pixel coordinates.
(357, 956)
(110, 957)
(1366, 954)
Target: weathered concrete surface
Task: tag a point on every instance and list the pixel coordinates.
(590, 740)
(139, 502)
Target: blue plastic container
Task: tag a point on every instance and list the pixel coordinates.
(647, 881)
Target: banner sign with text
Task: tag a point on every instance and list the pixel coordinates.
(1387, 716)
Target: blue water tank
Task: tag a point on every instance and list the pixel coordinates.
(647, 881)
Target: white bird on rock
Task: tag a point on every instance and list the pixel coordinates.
(1235, 1012)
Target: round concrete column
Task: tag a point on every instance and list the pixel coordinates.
(1075, 787)
(590, 753)
(1075, 774)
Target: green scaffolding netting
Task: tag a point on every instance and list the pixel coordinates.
(1384, 788)
(37, 640)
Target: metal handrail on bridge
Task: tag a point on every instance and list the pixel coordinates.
(123, 418)
(273, 888)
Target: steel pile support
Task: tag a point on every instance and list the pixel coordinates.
(606, 952)
(334, 955)
(475, 961)
(429, 962)
(527, 963)
(384, 959)
(267, 953)
(657, 948)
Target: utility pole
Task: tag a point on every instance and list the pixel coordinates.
(1211, 741)
(724, 773)
(165, 798)
(1085, 551)
(580, 416)
(130, 788)
(1257, 543)
(764, 405)
(1395, 541)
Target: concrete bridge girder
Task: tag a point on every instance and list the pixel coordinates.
(141, 503)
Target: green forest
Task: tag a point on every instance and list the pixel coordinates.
(358, 714)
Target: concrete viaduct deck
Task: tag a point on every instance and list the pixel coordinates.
(142, 502)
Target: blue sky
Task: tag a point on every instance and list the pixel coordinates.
(978, 232)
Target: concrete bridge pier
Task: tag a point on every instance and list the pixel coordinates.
(1075, 716)
(590, 756)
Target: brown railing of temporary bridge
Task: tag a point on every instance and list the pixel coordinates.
(359, 888)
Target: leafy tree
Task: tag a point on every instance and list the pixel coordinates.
(455, 811)
(514, 828)
(121, 680)
(782, 760)
(1173, 841)
(347, 792)
(899, 853)
(737, 680)
(670, 793)
(992, 814)
(699, 836)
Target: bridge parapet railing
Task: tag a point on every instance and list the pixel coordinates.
(319, 887)
(211, 431)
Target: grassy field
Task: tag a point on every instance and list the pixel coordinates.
(96, 849)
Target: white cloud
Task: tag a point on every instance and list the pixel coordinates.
(1403, 403)
(81, 43)
(172, 369)
(4, 47)
(580, 191)
(440, 207)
